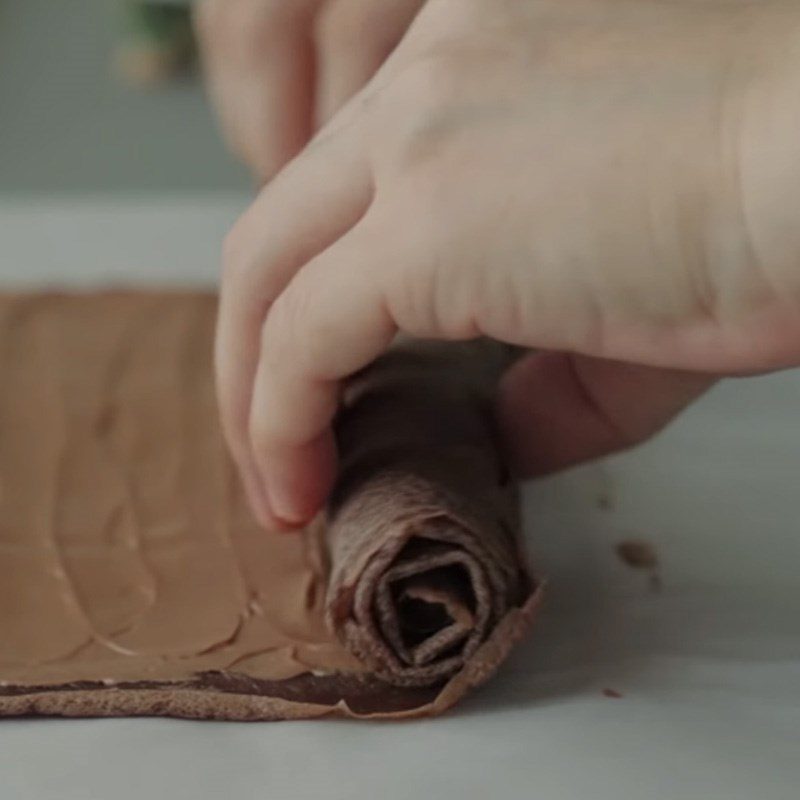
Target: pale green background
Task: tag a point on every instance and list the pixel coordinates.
(68, 125)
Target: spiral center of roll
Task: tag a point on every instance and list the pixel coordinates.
(434, 611)
(419, 619)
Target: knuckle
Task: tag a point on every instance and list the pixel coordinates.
(436, 289)
(295, 337)
(422, 300)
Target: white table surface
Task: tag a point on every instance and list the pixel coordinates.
(709, 668)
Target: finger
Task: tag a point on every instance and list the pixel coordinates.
(330, 322)
(276, 102)
(259, 61)
(556, 410)
(353, 39)
(314, 201)
(213, 30)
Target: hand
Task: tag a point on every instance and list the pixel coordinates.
(278, 68)
(596, 178)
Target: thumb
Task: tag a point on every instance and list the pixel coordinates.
(557, 409)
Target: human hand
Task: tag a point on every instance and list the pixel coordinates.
(593, 178)
(278, 68)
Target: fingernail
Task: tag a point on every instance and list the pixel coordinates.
(258, 503)
(260, 506)
(268, 519)
(284, 504)
(297, 481)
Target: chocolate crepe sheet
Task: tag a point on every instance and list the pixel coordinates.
(134, 581)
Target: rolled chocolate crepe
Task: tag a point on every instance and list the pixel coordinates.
(423, 525)
(133, 579)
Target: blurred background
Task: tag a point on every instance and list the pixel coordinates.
(105, 96)
(112, 171)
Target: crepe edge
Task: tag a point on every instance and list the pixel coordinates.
(211, 704)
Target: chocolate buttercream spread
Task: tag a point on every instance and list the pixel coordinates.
(130, 563)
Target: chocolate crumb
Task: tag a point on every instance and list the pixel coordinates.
(613, 693)
(638, 554)
(605, 502)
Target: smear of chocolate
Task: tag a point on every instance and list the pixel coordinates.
(638, 553)
(135, 580)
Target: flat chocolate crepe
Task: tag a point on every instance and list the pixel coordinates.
(133, 580)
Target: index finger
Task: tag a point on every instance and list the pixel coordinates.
(310, 204)
(331, 321)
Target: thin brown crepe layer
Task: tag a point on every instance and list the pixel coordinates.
(423, 526)
(134, 580)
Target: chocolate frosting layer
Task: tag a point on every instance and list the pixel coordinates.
(132, 574)
(126, 547)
